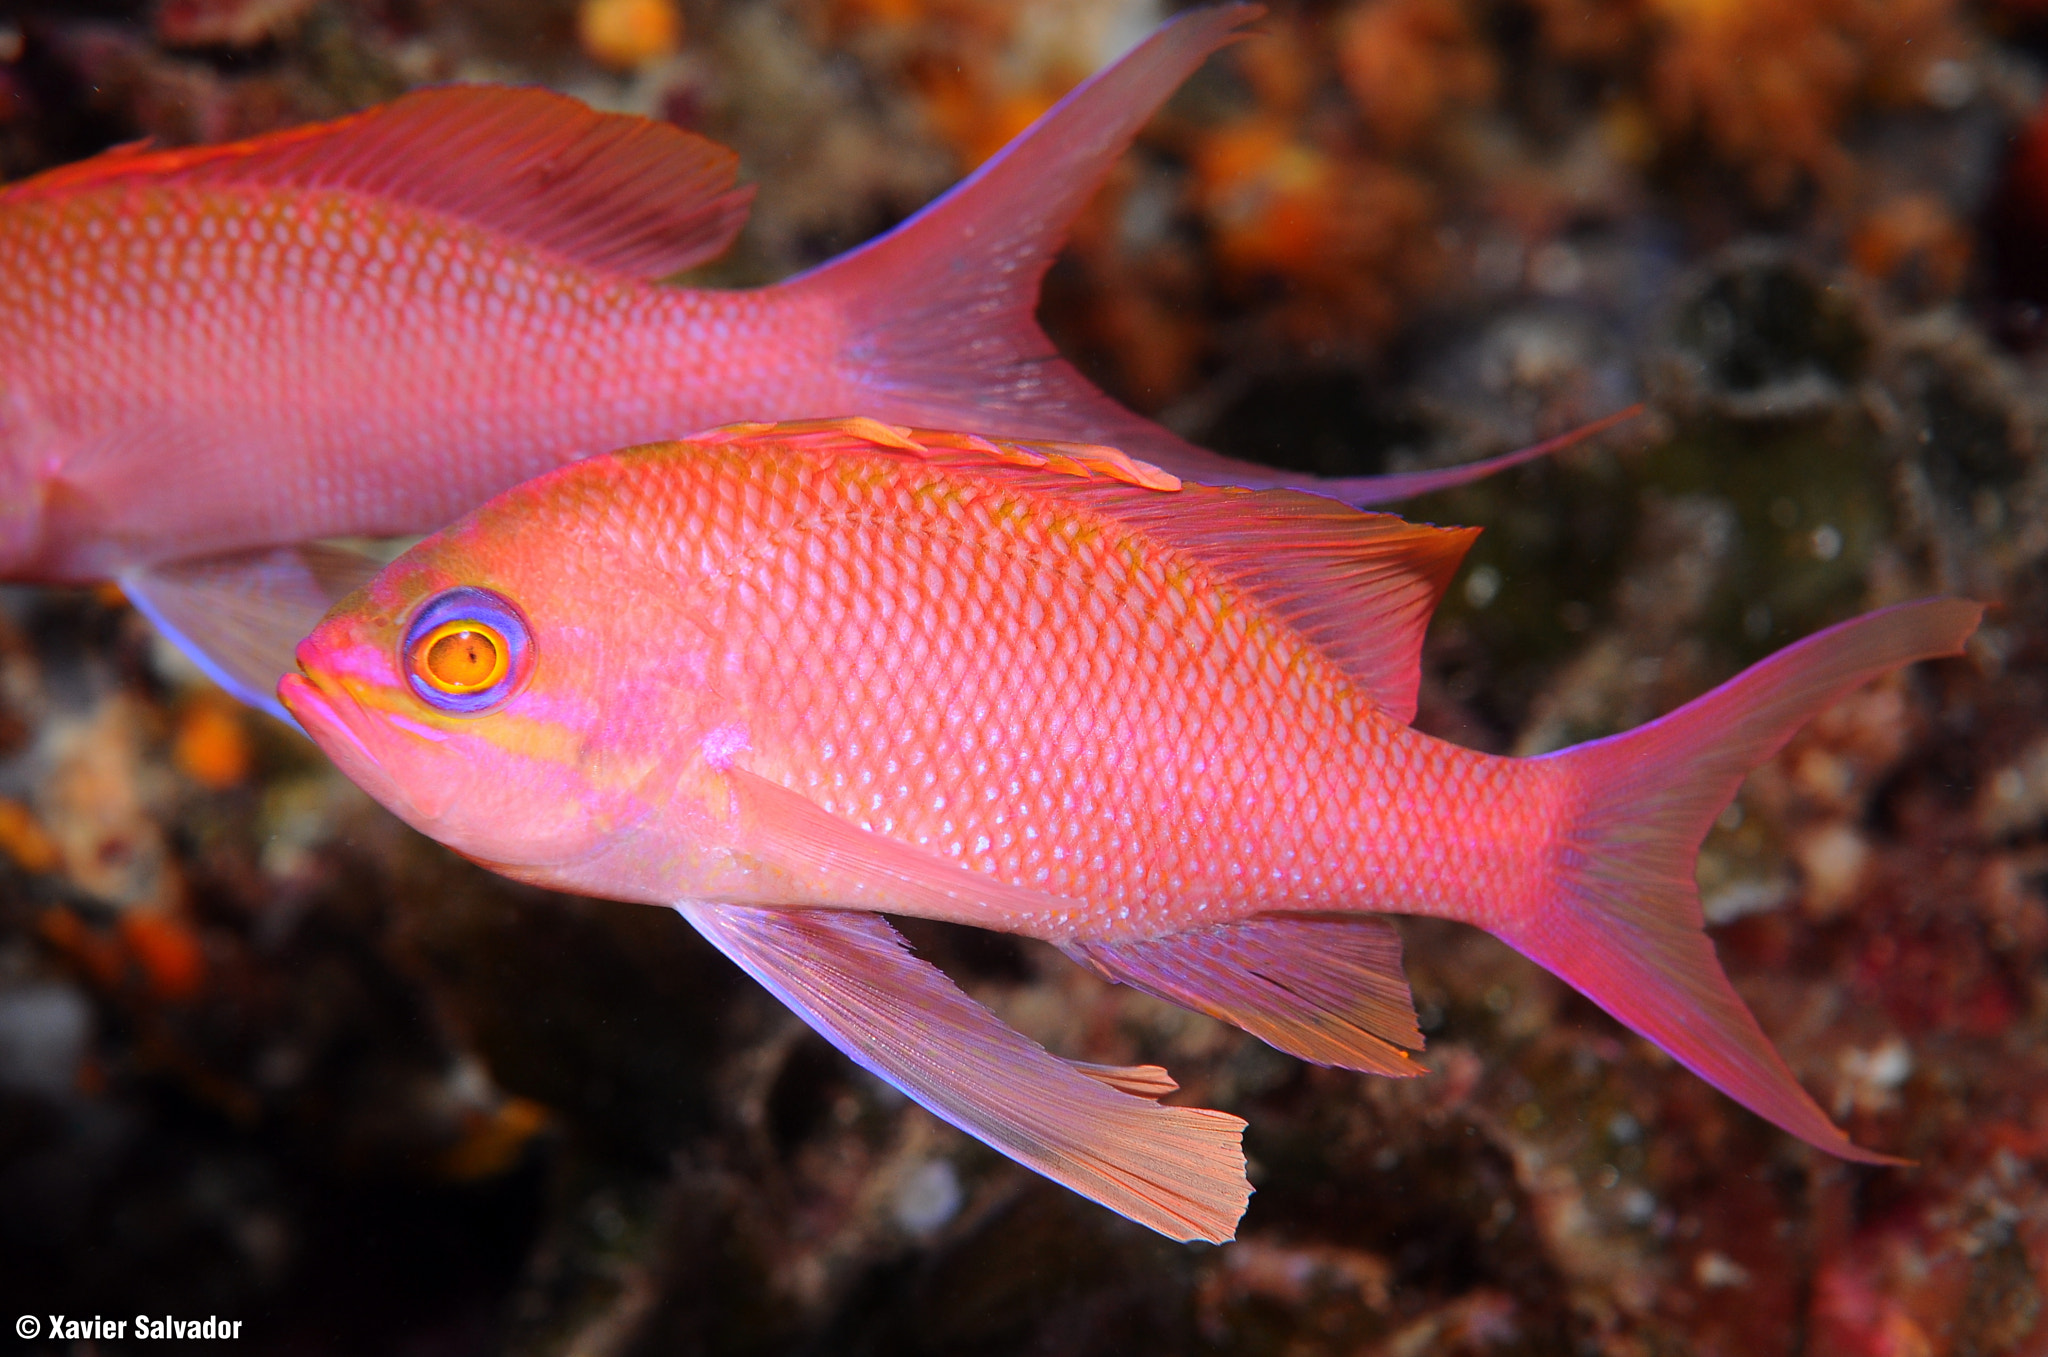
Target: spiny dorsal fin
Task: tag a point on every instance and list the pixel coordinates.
(1361, 586)
(608, 191)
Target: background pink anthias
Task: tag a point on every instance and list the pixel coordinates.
(364, 328)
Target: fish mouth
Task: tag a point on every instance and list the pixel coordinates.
(333, 717)
(314, 707)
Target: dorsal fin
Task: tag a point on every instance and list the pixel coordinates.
(608, 191)
(1361, 586)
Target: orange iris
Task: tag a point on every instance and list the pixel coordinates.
(461, 656)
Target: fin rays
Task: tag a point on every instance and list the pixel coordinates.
(611, 192)
(1096, 1129)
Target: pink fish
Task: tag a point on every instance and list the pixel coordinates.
(787, 678)
(365, 328)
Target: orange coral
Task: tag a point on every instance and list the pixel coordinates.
(493, 1141)
(156, 946)
(212, 746)
(1591, 30)
(1766, 83)
(1765, 86)
(1351, 232)
(624, 34)
(984, 70)
(23, 838)
(1407, 63)
(1916, 243)
(167, 953)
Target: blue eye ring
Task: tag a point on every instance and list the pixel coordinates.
(466, 650)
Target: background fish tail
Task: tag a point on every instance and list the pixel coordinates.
(941, 311)
(1624, 925)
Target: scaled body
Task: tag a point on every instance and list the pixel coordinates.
(848, 667)
(1030, 689)
(193, 368)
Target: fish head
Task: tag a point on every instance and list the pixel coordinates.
(460, 689)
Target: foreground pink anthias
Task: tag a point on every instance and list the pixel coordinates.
(365, 328)
(785, 678)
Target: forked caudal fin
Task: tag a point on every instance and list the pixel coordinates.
(1624, 925)
(940, 312)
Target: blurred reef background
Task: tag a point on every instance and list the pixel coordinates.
(266, 1054)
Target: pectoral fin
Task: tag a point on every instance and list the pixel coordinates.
(789, 830)
(240, 616)
(1325, 987)
(1179, 1170)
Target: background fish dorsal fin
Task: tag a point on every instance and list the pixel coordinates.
(606, 190)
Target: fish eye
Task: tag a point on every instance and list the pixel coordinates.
(461, 657)
(466, 650)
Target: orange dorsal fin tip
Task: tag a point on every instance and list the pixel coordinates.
(828, 433)
(1067, 459)
(731, 433)
(1093, 459)
(861, 429)
(610, 191)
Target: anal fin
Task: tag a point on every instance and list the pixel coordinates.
(1325, 987)
(1095, 1129)
(240, 616)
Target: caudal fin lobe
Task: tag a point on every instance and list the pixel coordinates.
(1624, 926)
(940, 313)
(941, 310)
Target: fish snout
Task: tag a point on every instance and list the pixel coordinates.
(337, 722)
(314, 707)
(306, 654)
